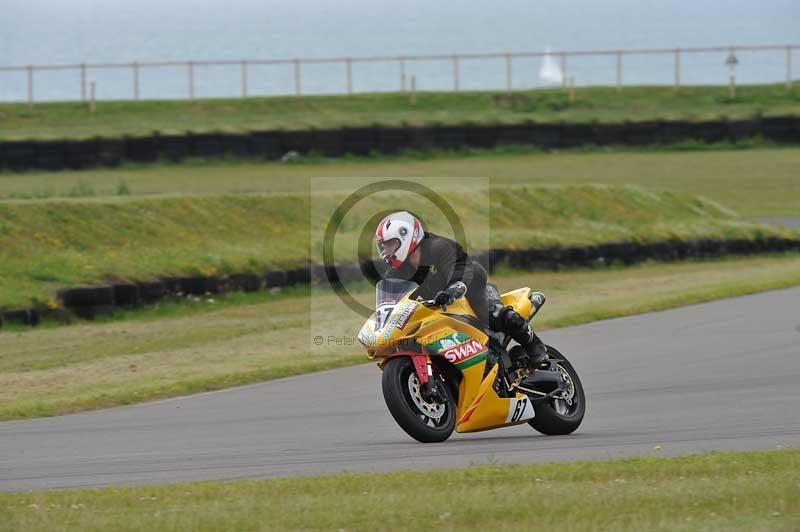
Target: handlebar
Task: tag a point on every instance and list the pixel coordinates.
(431, 303)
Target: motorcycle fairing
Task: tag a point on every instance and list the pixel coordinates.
(456, 341)
(486, 410)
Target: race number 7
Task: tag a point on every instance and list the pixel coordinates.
(381, 315)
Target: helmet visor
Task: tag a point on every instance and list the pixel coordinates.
(387, 248)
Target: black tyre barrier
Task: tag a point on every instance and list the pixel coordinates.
(152, 291)
(207, 145)
(86, 296)
(781, 129)
(90, 313)
(175, 147)
(393, 139)
(327, 142)
(318, 273)
(243, 282)
(349, 273)
(50, 155)
(23, 317)
(266, 144)
(421, 138)
(573, 135)
(142, 149)
(110, 152)
(478, 136)
(300, 141)
(91, 301)
(276, 278)
(359, 140)
(298, 276)
(547, 136)
(641, 133)
(81, 154)
(235, 145)
(372, 270)
(450, 137)
(172, 285)
(126, 294)
(17, 156)
(198, 285)
(53, 155)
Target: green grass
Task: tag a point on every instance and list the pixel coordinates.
(45, 245)
(713, 491)
(176, 350)
(757, 182)
(604, 104)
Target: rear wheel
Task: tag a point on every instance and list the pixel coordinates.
(563, 415)
(423, 420)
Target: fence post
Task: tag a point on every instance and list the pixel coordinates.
(83, 82)
(788, 68)
(244, 79)
(30, 87)
(731, 73)
(619, 70)
(563, 69)
(509, 73)
(455, 73)
(92, 96)
(402, 75)
(191, 80)
(349, 62)
(135, 81)
(297, 77)
(677, 69)
(413, 89)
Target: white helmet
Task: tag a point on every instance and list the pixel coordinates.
(397, 236)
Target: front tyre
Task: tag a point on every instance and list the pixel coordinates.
(425, 421)
(561, 416)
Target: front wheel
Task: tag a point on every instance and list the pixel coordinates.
(423, 420)
(563, 415)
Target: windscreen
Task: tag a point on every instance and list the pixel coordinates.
(389, 291)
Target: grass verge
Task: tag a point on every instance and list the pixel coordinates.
(753, 182)
(88, 366)
(45, 245)
(603, 104)
(712, 491)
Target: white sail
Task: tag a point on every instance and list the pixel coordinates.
(550, 72)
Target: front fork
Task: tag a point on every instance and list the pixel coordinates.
(424, 368)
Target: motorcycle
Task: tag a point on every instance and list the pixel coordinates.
(443, 371)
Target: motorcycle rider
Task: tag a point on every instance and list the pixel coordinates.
(445, 273)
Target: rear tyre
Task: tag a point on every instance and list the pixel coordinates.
(425, 421)
(561, 416)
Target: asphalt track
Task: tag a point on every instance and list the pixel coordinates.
(723, 375)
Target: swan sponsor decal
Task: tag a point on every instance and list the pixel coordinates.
(439, 344)
(461, 352)
(459, 349)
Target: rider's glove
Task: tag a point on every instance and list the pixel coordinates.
(450, 294)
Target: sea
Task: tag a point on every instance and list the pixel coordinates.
(69, 32)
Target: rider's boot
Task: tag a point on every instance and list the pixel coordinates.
(537, 352)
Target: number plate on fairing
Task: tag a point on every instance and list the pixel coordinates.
(520, 410)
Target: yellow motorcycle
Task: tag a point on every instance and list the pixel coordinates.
(443, 371)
